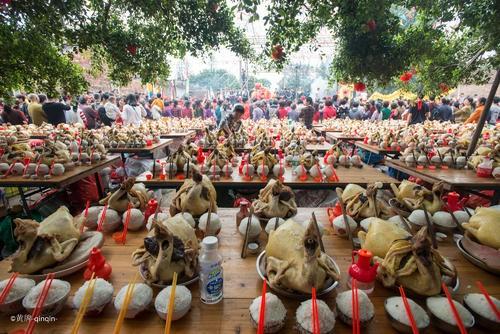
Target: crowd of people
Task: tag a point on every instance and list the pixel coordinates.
(103, 108)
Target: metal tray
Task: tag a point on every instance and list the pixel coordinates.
(474, 260)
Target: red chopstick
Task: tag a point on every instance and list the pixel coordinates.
(486, 295)
(85, 215)
(262, 311)
(39, 303)
(460, 324)
(103, 218)
(7, 288)
(127, 220)
(414, 327)
(355, 308)
(315, 317)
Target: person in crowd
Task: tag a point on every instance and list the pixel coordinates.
(218, 112)
(55, 111)
(329, 110)
(317, 114)
(13, 115)
(343, 109)
(198, 109)
(442, 112)
(176, 110)
(463, 113)
(307, 113)
(101, 110)
(474, 117)
(293, 114)
(418, 111)
(87, 114)
(282, 110)
(354, 112)
(154, 110)
(335, 101)
(35, 110)
(395, 113)
(133, 112)
(386, 112)
(207, 111)
(167, 110)
(494, 111)
(246, 106)
(258, 113)
(232, 122)
(187, 111)
(431, 104)
(158, 102)
(112, 110)
(23, 105)
(95, 101)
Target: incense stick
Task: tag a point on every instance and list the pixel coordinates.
(488, 298)
(318, 234)
(7, 287)
(127, 221)
(245, 241)
(355, 307)
(103, 218)
(262, 310)
(89, 292)
(39, 305)
(409, 313)
(126, 301)
(171, 306)
(456, 315)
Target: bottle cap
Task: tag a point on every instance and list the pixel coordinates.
(210, 242)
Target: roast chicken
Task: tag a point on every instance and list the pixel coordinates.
(381, 234)
(485, 227)
(196, 196)
(275, 200)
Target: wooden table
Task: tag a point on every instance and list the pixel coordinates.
(454, 179)
(241, 285)
(362, 176)
(69, 177)
(339, 136)
(377, 150)
(176, 135)
(321, 148)
(146, 150)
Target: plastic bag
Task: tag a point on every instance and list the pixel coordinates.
(135, 166)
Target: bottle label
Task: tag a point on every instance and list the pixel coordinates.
(211, 280)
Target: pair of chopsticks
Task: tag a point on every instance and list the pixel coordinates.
(171, 306)
(262, 311)
(126, 302)
(103, 218)
(121, 237)
(409, 313)
(39, 304)
(355, 307)
(89, 293)
(8, 287)
(315, 315)
(486, 295)
(85, 215)
(456, 315)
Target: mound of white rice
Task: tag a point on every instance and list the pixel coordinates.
(182, 299)
(58, 289)
(19, 289)
(395, 307)
(326, 316)
(440, 307)
(141, 297)
(344, 305)
(478, 303)
(275, 310)
(103, 293)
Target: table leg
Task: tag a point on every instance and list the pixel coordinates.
(24, 202)
(100, 192)
(496, 197)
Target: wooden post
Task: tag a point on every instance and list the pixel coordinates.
(482, 119)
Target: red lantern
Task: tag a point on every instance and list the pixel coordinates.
(359, 87)
(277, 52)
(132, 49)
(444, 87)
(371, 25)
(405, 77)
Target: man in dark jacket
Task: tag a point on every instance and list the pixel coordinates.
(55, 111)
(443, 112)
(307, 113)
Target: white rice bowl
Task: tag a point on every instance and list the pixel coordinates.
(13, 302)
(340, 227)
(396, 309)
(365, 223)
(136, 219)
(325, 315)
(254, 230)
(344, 306)
(182, 302)
(92, 216)
(56, 297)
(140, 300)
(417, 217)
(161, 217)
(188, 217)
(271, 222)
(461, 216)
(275, 313)
(441, 309)
(477, 302)
(215, 223)
(443, 218)
(103, 294)
(398, 222)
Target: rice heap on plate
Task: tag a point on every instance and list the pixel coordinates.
(443, 218)
(275, 313)
(395, 307)
(344, 305)
(19, 289)
(478, 303)
(326, 316)
(440, 307)
(58, 289)
(182, 301)
(141, 297)
(103, 293)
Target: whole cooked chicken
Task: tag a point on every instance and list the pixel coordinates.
(44, 244)
(275, 200)
(381, 234)
(129, 192)
(485, 227)
(361, 203)
(413, 196)
(294, 259)
(171, 246)
(196, 196)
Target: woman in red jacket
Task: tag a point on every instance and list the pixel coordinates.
(282, 110)
(329, 110)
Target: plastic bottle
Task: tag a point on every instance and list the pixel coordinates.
(211, 273)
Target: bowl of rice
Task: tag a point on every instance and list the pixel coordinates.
(477, 304)
(13, 302)
(396, 311)
(56, 297)
(442, 316)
